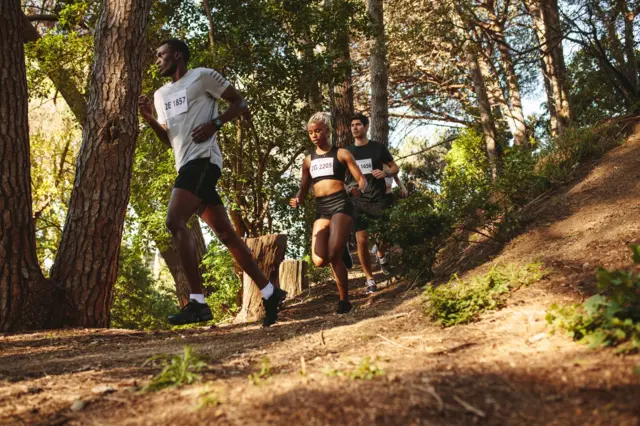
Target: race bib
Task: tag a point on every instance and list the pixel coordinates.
(175, 104)
(321, 167)
(365, 166)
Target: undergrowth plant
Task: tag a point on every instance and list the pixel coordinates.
(609, 318)
(367, 369)
(263, 374)
(177, 370)
(461, 302)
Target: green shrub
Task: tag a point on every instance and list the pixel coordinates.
(221, 282)
(177, 370)
(418, 228)
(610, 318)
(460, 302)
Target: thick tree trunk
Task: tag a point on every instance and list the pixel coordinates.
(379, 129)
(27, 300)
(293, 277)
(341, 92)
(87, 258)
(269, 252)
(630, 44)
(486, 117)
(559, 81)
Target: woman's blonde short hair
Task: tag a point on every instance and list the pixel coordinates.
(324, 118)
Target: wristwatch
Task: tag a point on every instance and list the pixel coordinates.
(218, 123)
(387, 173)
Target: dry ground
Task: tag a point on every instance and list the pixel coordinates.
(505, 369)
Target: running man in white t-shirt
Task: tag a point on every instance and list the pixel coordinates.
(188, 121)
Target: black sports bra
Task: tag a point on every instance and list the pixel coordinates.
(326, 166)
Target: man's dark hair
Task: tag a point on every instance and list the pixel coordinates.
(178, 46)
(363, 119)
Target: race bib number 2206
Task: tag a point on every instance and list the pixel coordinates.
(175, 104)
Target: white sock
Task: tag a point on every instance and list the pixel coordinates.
(382, 260)
(267, 291)
(197, 297)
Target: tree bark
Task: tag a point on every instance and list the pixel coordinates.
(486, 117)
(630, 44)
(379, 129)
(87, 258)
(293, 277)
(341, 91)
(269, 252)
(560, 82)
(27, 300)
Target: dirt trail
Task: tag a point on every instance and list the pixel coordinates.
(505, 369)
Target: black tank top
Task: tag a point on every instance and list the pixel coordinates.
(326, 166)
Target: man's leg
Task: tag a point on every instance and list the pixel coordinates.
(362, 237)
(181, 206)
(216, 217)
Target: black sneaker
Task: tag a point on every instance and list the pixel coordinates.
(283, 297)
(344, 306)
(346, 258)
(384, 267)
(271, 306)
(192, 313)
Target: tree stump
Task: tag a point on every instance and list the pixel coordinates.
(293, 277)
(268, 251)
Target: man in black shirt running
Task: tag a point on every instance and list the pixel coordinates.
(371, 157)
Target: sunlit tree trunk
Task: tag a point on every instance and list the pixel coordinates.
(379, 128)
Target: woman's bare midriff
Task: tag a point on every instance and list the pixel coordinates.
(327, 187)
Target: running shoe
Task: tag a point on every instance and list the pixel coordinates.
(271, 306)
(193, 312)
(384, 266)
(283, 297)
(370, 287)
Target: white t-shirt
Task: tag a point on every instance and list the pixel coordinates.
(184, 105)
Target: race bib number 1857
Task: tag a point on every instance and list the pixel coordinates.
(176, 103)
(365, 166)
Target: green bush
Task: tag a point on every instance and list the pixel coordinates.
(177, 370)
(610, 318)
(138, 302)
(221, 281)
(460, 302)
(418, 228)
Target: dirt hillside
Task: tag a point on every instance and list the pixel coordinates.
(505, 369)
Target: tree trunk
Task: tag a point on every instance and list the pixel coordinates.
(630, 45)
(513, 86)
(293, 277)
(87, 259)
(379, 129)
(27, 300)
(269, 252)
(486, 117)
(171, 258)
(559, 81)
(341, 91)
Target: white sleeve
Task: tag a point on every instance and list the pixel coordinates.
(159, 105)
(214, 84)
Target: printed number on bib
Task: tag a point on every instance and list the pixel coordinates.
(176, 103)
(321, 167)
(365, 166)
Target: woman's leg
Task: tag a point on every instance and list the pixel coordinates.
(320, 242)
(340, 230)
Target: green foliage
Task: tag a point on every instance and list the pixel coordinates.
(178, 370)
(262, 375)
(560, 158)
(221, 281)
(460, 302)
(418, 227)
(137, 301)
(208, 399)
(610, 318)
(367, 369)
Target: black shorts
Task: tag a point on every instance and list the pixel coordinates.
(199, 177)
(332, 204)
(364, 211)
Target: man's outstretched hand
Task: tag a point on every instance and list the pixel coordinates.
(145, 107)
